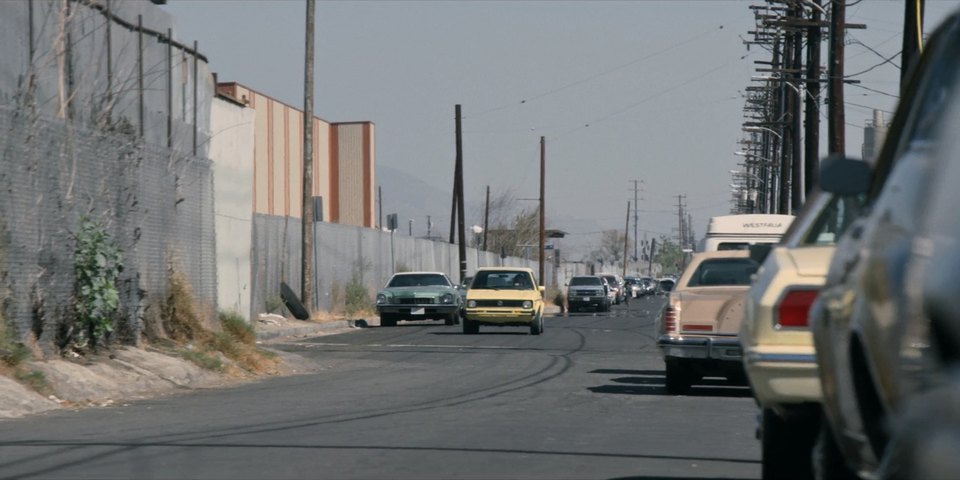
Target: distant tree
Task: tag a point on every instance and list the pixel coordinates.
(668, 255)
(510, 227)
(611, 244)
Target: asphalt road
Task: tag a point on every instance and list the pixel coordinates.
(583, 400)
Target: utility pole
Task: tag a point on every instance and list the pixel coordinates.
(486, 217)
(429, 227)
(543, 163)
(653, 248)
(626, 241)
(796, 154)
(459, 199)
(680, 221)
(380, 204)
(456, 176)
(811, 135)
(306, 246)
(636, 207)
(912, 39)
(836, 116)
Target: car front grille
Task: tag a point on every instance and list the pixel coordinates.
(415, 301)
(499, 303)
(586, 293)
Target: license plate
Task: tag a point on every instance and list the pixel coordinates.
(418, 311)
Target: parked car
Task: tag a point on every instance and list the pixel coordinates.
(616, 284)
(649, 285)
(777, 345)
(501, 296)
(698, 328)
(587, 291)
(418, 296)
(924, 429)
(858, 333)
(665, 286)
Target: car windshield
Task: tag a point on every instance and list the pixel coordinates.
(419, 280)
(833, 220)
(723, 272)
(498, 280)
(580, 281)
(666, 285)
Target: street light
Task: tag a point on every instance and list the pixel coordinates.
(477, 231)
(746, 173)
(753, 155)
(755, 128)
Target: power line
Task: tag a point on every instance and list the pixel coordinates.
(875, 90)
(597, 75)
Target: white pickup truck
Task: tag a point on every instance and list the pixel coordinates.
(699, 326)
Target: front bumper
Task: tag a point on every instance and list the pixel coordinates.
(583, 300)
(414, 312)
(783, 375)
(700, 347)
(500, 316)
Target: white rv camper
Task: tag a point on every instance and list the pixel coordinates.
(738, 232)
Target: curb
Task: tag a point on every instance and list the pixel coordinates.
(307, 330)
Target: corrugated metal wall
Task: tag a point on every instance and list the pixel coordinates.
(345, 252)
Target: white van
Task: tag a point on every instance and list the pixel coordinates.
(738, 232)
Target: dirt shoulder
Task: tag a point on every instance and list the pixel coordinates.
(134, 373)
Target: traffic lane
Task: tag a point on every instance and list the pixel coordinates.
(614, 364)
(511, 406)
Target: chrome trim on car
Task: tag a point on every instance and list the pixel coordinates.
(701, 347)
(756, 357)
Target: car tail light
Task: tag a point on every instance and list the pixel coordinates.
(670, 317)
(793, 308)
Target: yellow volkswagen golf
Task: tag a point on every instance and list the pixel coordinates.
(504, 296)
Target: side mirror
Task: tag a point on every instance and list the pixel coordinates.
(759, 252)
(542, 288)
(844, 176)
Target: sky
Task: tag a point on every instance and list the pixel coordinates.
(650, 91)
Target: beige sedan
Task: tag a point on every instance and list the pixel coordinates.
(699, 325)
(778, 352)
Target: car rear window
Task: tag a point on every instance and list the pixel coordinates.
(723, 272)
(578, 281)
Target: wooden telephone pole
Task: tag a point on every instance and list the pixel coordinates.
(306, 245)
(543, 162)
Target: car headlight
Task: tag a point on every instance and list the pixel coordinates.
(471, 303)
(527, 304)
(381, 298)
(446, 298)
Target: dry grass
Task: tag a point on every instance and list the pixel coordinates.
(231, 350)
(181, 321)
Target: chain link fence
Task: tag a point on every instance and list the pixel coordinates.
(156, 205)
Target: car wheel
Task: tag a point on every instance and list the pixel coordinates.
(828, 462)
(536, 328)
(787, 445)
(388, 320)
(470, 327)
(679, 379)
